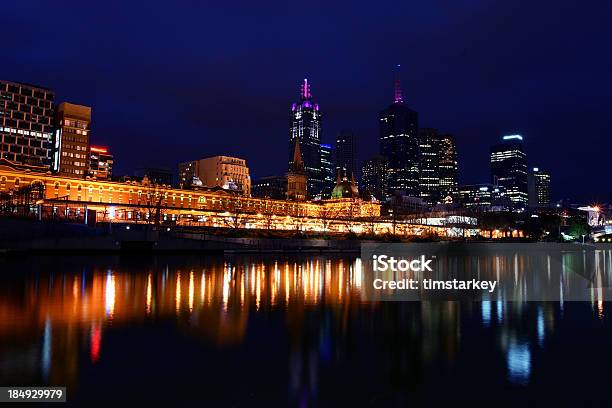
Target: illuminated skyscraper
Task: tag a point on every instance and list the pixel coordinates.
(539, 188)
(346, 152)
(399, 144)
(447, 165)
(375, 177)
(429, 175)
(26, 124)
(328, 170)
(100, 163)
(509, 169)
(305, 126)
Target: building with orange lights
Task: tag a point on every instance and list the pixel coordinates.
(73, 124)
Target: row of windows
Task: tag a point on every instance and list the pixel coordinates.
(25, 90)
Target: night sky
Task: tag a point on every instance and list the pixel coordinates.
(174, 81)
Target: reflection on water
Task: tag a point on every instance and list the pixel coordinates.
(299, 319)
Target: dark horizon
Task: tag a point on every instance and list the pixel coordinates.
(168, 85)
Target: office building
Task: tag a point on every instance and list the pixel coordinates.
(100, 163)
(274, 187)
(539, 188)
(429, 178)
(229, 173)
(509, 169)
(399, 144)
(26, 124)
(305, 126)
(72, 127)
(375, 177)
(483, 197)
(346, 153)
(328, 170)
(447, 166)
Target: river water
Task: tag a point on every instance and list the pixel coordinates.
(286, 330)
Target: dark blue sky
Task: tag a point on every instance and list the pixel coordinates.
(173, 81)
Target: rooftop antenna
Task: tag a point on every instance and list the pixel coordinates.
(398, 97)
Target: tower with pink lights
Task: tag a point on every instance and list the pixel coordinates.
(305, 126)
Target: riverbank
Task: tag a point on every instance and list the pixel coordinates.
(19, 236)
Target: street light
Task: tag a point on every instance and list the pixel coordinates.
(583, 235)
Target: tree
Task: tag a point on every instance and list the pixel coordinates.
(578, 227)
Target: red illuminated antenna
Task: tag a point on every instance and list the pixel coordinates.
(398, 96)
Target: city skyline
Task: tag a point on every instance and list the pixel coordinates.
(526, 94)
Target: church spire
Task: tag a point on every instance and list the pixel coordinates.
(398, 95)
(298, 163)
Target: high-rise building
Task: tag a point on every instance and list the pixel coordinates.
(297, 177)
(375, 177)
(346, 153)
(274, 187)
(327, 170)
(187, 172)
(483, 197)
(447, 165)
(229, 173)
(72, 127)
(429, 178)
(305, 126)
(509, 169)
(26, 124)
(539, 188)
(399, 144)
(100, 163)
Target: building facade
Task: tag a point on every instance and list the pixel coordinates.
(398, 142)
(447, 166)
(375, 177)
(100, 163)
(26, 124)
(328, 170)
(72, 127)
(483, 197)
(429, 174)
(346, 153)
(305, 126)
(229, 173)
(274, 187)
(509, 169)
(539, 188)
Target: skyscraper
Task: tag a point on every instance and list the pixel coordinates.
(26, 124)
(305, 126)
(100, 163)
(375, 177)
(509, 169)
(327, 170)
(346, 152)
(72, 125)
(447, 165)
(399, 144)
(429, 178)
(539, 188)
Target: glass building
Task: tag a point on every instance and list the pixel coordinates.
(447, 165)
(539, 188)
(305, 126)
(346, 152)
(375, 177)
(509, 169)
(328, 171)
(398, 142)
(429, 177)
(26, 124)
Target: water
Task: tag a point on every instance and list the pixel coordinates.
(284, 330)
